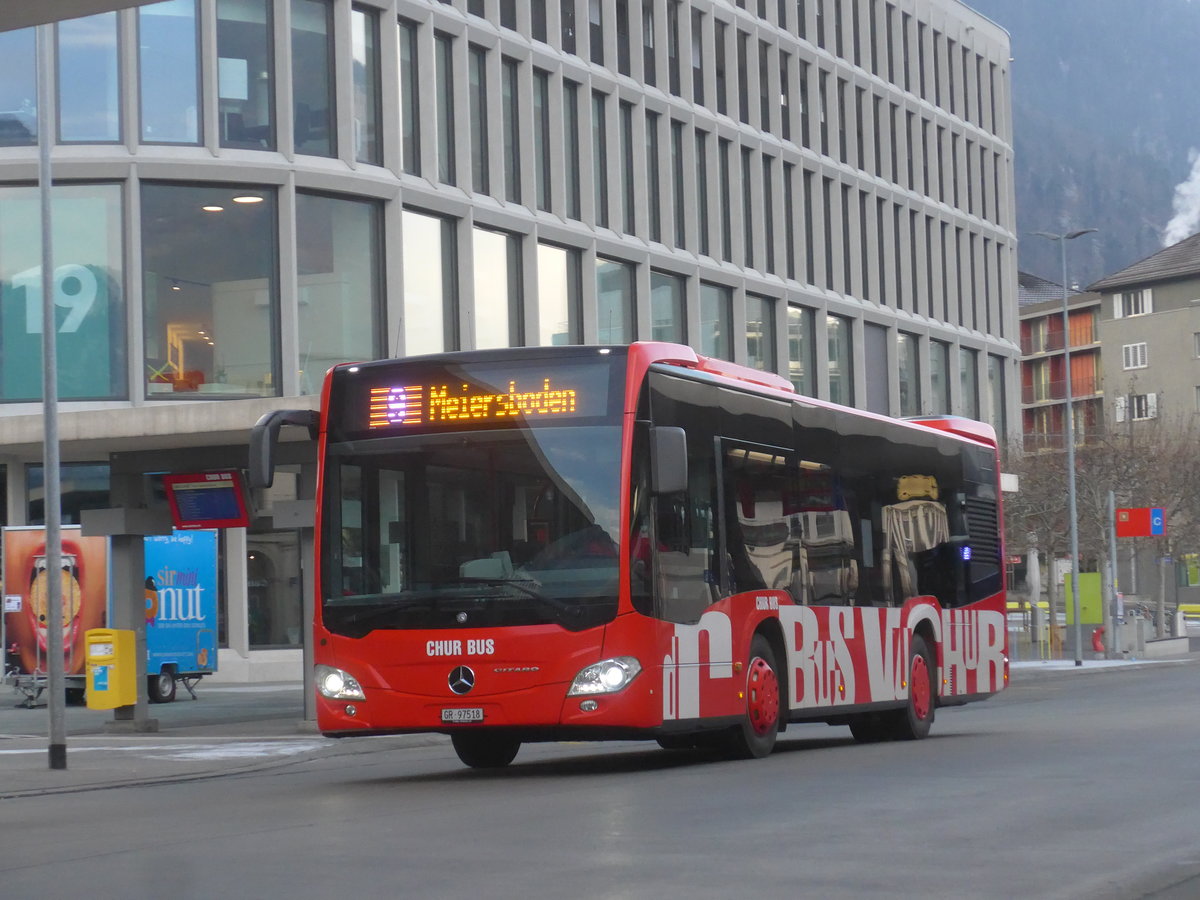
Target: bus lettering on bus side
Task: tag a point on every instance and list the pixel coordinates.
(885, 651)
(972, 651)
(824, 666)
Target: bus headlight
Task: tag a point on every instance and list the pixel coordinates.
(338, 685)
(605, 677)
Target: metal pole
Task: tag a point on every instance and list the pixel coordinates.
(1114, 645)
(50, 455)
(1073, 521)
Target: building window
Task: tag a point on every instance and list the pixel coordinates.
(600, 158)
(622, 7)
(726, 214)
(313, 106)
(596, 31)
(999, 397)
(648, 70)
(760, 333)
(245, 80)
(1196, 344)
(677, 183)
(273, 608)
(841, 360)
(541, 137)
(168, 69)
(18, 88)
(508, 14)
(702, 192)
(511, 111)
(909, 374)
(1137, 407)
(365, 48)
(430, 283)
(567, 19)
(667, 322)
(653, 178)
(716, 317)
(497, 289)
(801, 349)
(721, 81)
(210, 320)
(410, 104)
(614, 301)
(89, 84)
(1133, 356)
(1133, 303)
(89, 294)
(84, 486)
(939, 377)
(340, 293)
(558, 295)
(444, 87)
(968, 362)
(479, 106)
(629, 201)
(697, 57)
(571, 147)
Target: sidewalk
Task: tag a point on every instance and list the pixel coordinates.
(229, 728)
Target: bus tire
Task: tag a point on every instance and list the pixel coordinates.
(869, 729)
(481, 750)
(912, 723)
(160, 688)
(755, 737)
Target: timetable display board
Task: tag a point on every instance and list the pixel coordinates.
(207, 500)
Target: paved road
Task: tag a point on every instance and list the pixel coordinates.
(1069, 785)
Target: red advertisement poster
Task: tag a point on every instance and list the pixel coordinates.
(84, 578)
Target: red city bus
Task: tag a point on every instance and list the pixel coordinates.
(584, 543)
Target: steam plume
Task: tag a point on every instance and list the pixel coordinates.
(1186, 220)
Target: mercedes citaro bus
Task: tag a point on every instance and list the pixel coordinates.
(637, 541)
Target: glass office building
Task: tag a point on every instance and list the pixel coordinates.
(249, 191)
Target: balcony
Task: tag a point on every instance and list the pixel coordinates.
(1041, 343)
(1082, 386)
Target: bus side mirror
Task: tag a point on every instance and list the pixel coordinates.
(264, 436)
(668, 460)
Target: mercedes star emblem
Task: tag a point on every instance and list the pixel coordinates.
(462, 679)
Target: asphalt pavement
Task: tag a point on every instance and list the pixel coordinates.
(232, 728)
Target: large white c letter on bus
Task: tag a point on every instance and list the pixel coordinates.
(681, 667)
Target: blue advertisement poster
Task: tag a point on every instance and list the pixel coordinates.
(181, 601)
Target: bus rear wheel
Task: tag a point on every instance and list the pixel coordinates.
(755, 737)
(481, 750)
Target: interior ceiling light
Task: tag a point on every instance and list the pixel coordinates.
(213, 208)
(175, 285)
(248, 198)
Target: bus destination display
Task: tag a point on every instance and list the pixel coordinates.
(448, 403)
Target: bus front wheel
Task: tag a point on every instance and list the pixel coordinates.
(755, 737)
(481, 750)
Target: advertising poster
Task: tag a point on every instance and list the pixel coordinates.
(84, 578)
(181, 601)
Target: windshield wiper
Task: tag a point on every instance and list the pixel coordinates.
(524, 586)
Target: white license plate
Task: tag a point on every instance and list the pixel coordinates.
(458, 716)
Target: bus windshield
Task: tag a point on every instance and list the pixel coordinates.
(483, 528)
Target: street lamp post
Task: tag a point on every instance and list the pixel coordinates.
(1072, 522)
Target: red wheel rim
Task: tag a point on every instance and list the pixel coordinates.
(762, 696)
(919, 690)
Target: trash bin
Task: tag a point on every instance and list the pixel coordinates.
(111, 668)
